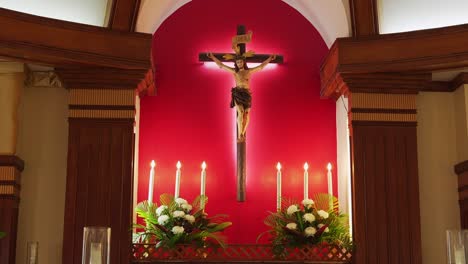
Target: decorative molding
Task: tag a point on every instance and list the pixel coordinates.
(383, 101)
(102, 114)
(11, 67)
(102, 97)
(147, 86)
(11, 160)
(458, 81)
(461, 167)
(42, 79)
(32, 38)
(364, 17)
(386, 117)
(102, 78)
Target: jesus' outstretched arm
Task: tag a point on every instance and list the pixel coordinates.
(219, 63)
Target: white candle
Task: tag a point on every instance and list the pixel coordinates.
(306, 181)
(278, 187)
(330, 184)
(203, 185)
(95, 253)
(177, 180)
(151, 182)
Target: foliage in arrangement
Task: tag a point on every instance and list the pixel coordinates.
(176, 222)
(2, 234)
(312, 222)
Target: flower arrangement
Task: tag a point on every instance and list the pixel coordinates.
(308, 223)
(176, 222)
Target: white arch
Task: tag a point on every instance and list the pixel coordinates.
(329, 17)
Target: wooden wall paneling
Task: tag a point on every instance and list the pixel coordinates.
(364, 17)
(124, 14)
(385, 193)
(99, 184)
(60, 43)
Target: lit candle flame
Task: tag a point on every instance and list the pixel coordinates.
(178, 165)
(329, 166)
(278, 166)
(203, 166)
(306, 166)
(152, 164)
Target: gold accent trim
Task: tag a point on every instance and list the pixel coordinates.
(7, 190)
(383, 101)
(101, 97)
(8, 174)
(112, 114)
(383, 117)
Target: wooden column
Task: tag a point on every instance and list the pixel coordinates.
(100, 158)
(10, 171)
(364, 17)
(385, 178)
(461, 169)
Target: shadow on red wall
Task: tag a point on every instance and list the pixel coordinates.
(190, 119)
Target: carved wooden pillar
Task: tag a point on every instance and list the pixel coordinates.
(100, 158)
(385, 178)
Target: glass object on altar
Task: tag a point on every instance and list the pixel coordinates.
(32, 254)
(457, 246)
(96, 245)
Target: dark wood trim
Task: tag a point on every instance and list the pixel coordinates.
(389, 111)
(12, 160)
(461, 167)
(102, 107)
(364, 17)
(384, 123)
(124, 14)
(59, 43)
(460, 80)
(101, 78)
(147, 86)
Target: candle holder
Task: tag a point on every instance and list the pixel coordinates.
(32, 254)
(457, 246)
(96, 245)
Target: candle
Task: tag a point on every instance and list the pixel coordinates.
(278, 187)
(203, 185)
(95, 253)
(306, 181)
(177, 180)
(151, 182)
(330, 184)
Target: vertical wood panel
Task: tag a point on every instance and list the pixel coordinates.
(99, 185)
(386, 193)
(364, 17)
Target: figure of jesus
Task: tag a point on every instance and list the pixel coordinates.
(241, 97)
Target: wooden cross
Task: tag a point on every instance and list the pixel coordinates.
(241, 39)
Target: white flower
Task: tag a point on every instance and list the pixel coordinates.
(177, 230)
(309, 218)
(190, 218)
(322, 214)
(292, 209)
(180, 201)
(186, 207)
(307, 203)
(176, 214)
(291, 226)
(162, 220)
(160, 209)
(326, 229)
(310, 231)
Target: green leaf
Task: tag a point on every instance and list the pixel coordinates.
(166, 199)
(2, 234)
(219, 227)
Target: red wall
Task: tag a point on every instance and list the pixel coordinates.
(190, 119)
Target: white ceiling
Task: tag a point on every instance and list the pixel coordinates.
(329, 17)
(409, 15)
(91, 12)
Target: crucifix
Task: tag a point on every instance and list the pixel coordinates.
(240, 95)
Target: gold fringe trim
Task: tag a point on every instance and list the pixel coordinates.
(8, 190)
(9, 174)
(383, 101)
(391, 117)
(102, 97)
(111, 114)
